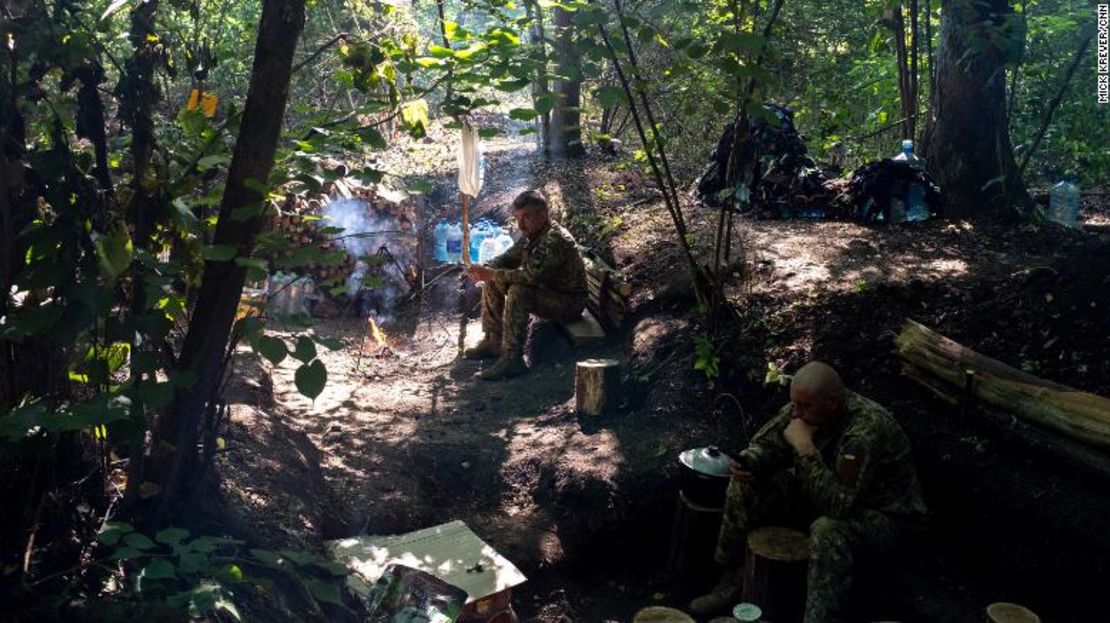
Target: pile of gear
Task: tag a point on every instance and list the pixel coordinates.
(789, 183)
(875, 190)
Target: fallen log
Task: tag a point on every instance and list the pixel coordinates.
(1079, 415)
(1049, 444)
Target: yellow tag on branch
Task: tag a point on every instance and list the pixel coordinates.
(207, 102)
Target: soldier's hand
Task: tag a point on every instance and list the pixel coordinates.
(739, 472)
(478, 273)
(799, 435)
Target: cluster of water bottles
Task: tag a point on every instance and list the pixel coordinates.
(487, 241)
(911, 206)
(1063, 202)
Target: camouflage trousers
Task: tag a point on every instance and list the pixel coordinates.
(834, 544)
(508, 311)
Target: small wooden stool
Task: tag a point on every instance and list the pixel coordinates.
(775, 572)
(597, 386)
(693, 541)
(1005, 612)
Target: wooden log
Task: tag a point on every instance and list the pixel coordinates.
(1079, 415)
(596, 385)
(1072, 453)
(775, 572)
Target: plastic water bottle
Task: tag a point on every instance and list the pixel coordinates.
(478, 234)
(504, 242)
(488, 250)
(1063, 202)
(913, 205)
(440, 240)
(454, 244)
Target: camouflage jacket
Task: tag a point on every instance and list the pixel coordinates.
(549, 261)
(862, 462)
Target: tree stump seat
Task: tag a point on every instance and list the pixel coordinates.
(775, 572)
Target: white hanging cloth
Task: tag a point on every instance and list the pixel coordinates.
(471, 162)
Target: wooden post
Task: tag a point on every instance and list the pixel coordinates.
(466, 230)
(775, 572)
(597, 385)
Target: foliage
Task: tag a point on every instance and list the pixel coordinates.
(200, 575)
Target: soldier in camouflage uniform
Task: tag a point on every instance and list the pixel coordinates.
(833, 458)
(541, 274)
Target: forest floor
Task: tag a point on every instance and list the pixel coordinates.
(583, 506)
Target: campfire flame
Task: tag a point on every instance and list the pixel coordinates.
(377, 334)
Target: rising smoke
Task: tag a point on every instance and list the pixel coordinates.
(377, 282)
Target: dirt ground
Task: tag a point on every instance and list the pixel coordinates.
(584, 506)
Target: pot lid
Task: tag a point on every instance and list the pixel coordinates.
(747, 612)
(708, 460)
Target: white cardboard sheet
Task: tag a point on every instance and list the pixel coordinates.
(450, 551)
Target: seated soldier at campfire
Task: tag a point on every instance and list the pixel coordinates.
(541, 274)
(830, 458)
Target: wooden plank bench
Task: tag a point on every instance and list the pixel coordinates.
(606, 303)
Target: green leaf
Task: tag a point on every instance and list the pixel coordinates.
(117, 356)
(415, 116)
(171, 536)
(218, 252)
(272, 348)
(228, 607)
(114, 251)
(126, 553)
(510, 86)
(305, 351)
(523, 114)
(610, 96)
(191, 562)
(372, 137)
(252, 262)
(268, 558)
(438, 51)
(113, 531)
(139, 540)
(159, 569)
(310, 379)
(324, 591)
(209, 162)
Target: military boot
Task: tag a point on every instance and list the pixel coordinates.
(723, 596)
(503, 368)
(488, 348)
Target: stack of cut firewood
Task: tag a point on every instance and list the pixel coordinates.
(298, 221)
(608, 291)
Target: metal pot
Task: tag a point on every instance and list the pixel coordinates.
(704, 476)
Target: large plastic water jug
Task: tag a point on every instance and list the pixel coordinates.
(478, 233)
(454, 244)
(488, 250)
(440, 241)
(913, 206)
(504, 242)
(1063, 202)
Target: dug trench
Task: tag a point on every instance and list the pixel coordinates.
(584, 506)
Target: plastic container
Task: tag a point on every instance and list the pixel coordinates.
(488, 250)
(913, 204)
(439, 240)
(504, 242)
(478, 235)
(1063, 202)
(454, 244)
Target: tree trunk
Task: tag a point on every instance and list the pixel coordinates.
(566, 129)
(172, 458)
(540, 87)
(969, 154)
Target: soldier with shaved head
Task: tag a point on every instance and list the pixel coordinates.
(831, 459)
